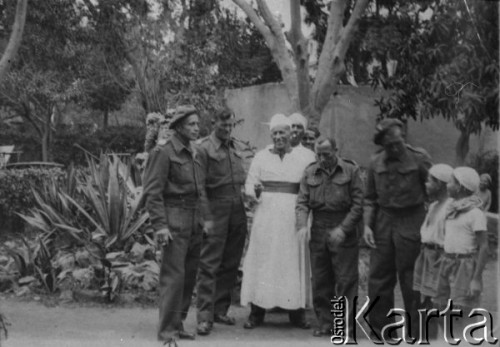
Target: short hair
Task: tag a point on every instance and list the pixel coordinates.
(315, 130)
(330, 140)
(224, 113)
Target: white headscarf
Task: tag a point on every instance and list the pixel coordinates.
(298, 118)
(442, 172)
(467, 177)
(279, 119)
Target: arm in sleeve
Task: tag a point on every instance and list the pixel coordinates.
(302, 207)
(155, 179)
(253, 177)
(355, 214)
(370, 203)
(425, 165)
(205, 204)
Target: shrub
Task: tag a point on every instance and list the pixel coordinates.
(16, 188)
(119, 139)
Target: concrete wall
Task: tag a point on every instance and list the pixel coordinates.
(350, 118)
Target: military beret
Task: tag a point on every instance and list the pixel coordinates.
(383, 126)
(180, 113)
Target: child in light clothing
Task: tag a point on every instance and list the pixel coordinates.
(465, 245)
(426, 271)
(432, 232)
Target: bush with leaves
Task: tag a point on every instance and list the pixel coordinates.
(100, 212)
(16, 189)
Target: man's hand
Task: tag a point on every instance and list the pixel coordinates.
(163, 237)
(208, 227)
(303, 234)
(368, 237)
(335, 238)
(258, 190)
(475, 288)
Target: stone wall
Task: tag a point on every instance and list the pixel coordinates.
(350, 118)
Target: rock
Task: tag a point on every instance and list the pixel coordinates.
(26, 280)
(22, 291)
(66, 295)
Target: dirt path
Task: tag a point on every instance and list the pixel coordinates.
(34, 324)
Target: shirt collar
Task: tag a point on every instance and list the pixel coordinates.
(217, 142)
(341, 165)
(179, 145)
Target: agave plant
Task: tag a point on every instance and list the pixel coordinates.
(115, 212)
(100, 212)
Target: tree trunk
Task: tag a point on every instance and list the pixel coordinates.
(301, 54)
(462, 147)
(15, 38)
(105, 119)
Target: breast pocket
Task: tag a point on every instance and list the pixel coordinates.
(238, 170)
(315, 193)
(181, 170)
(338, 193)
(216, 165)
(408, 183)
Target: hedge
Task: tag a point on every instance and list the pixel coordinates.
(119, 139)
(16, 188)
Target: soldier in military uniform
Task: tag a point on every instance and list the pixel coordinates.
(222, 162)
(394, 201)
(332, 189)
(176, 202)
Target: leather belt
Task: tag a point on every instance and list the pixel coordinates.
(434, 246)
(224, 191)
(280, 187)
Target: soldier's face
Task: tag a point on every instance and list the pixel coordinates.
(309, 139)
(224, 127)
(280, 135)
(327, 155)
(393, 143)
(190, 127)
(297, 133)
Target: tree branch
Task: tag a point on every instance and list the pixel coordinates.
(337, 8)
(255, 19)
(349, 29)
(15, 37)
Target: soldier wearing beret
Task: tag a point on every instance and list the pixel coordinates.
(222, 161)
(332, 190)
(176, 201)
(394, 201)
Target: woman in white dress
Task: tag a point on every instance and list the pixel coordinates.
(273, 269)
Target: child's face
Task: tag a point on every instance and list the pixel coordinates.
(433, 185)
(483, 184)
(454, 188)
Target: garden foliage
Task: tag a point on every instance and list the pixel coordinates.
(90, 232)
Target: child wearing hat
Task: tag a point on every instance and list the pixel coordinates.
(465, 245)
(426, 272)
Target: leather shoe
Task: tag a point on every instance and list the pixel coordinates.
(321, 332)
(184, 335)
(203, 328)
(302, 324)
(251, 324)
(224, 319)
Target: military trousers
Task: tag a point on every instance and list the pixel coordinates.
(220, 257)
(397, 237)
(180, 259)
(334, 273)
